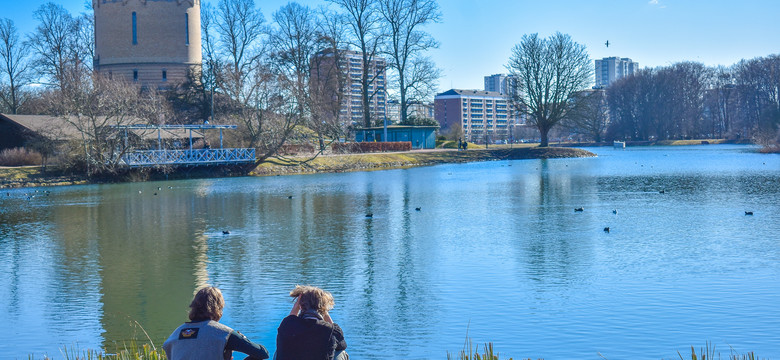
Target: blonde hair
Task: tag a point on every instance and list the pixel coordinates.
(207, 304)
(312, 297)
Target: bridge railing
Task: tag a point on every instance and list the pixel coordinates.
(139, 158)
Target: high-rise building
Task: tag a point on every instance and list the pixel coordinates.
(350, 71)
(484, 116)
(500, 83)
(613, 68)
(417, 109)
(151, 42)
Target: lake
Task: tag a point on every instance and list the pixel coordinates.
(496, 253)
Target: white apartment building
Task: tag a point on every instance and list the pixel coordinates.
(415, 108)
(613, 68)
(500, 83)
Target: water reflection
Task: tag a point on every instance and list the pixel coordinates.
(496, 250)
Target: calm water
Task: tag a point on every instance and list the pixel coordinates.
(496, 253)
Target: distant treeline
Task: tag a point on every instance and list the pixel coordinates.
(687, 100)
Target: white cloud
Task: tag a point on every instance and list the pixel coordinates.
(653, 2)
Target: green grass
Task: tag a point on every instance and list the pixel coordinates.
(134, 351)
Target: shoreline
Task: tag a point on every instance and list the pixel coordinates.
(36, 176)
(401, 160)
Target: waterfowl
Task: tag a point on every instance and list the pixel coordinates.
(606, 229)
(579, 209)
(369, 215)
(748, 213)
(615, 211)
(225, 232)
(417, 209)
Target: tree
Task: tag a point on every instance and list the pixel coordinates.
(364, 23)
(416, 73)
(590, 117)
(548, 71)
(328, 82)
(93, 104)
(14, 66)
(255, 92)
(56, 44)
(293, 43)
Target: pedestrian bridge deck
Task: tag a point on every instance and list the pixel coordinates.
(195, 157)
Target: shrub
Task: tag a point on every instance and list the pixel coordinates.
(294, 149)
(20, 157)
(368, 147)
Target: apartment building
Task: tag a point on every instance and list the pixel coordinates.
(418, 109)
(500, 83)
(484, 116)
(350, 72)
(610, 69)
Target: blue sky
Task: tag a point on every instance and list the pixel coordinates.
(477, 36)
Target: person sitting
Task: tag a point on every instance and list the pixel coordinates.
(309, 333)
(203, 337)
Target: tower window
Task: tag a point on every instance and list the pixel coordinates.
(165, 75)
(135, 75)
(187, 28)
(135, 30)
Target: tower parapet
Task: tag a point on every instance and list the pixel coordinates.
(151, 42)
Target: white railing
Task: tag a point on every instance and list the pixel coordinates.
(188, 157)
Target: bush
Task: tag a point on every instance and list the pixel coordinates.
(295, 149)
(20, 157)
(368, 147)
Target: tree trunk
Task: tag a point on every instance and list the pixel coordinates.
(543, 131)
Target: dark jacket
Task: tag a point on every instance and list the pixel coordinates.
(301, 338)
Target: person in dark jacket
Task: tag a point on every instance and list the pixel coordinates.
(203, 337)
(309, 333)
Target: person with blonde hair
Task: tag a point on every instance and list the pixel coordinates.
(309, 333)
(203, 337)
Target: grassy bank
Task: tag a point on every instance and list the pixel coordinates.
(134, 351)
(380, 161)
(24, 176)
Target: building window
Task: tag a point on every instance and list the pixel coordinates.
(187, 28)
(135, 75)
(135, 29)
(165, 75)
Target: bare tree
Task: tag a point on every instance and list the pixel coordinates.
(14, 67)
(254, 91)
(720, 101)
(407, 42)
(56, 45)
(549, 71)
(93, 104)
(591, 116)
(293, 43)
(240, 27)
(328, 80)
(366, 34)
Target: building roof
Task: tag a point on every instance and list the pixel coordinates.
(400, 127)
(472, 93)
(58, 128)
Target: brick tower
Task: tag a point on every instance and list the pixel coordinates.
(150, 42)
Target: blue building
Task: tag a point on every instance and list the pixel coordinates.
(421, 137)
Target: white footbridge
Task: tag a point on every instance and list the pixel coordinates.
(184, 156)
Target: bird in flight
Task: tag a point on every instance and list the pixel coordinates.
(607, 43)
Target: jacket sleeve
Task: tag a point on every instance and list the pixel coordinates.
(338, 334)
(238, 342)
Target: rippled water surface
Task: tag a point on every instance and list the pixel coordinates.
(496, 252)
